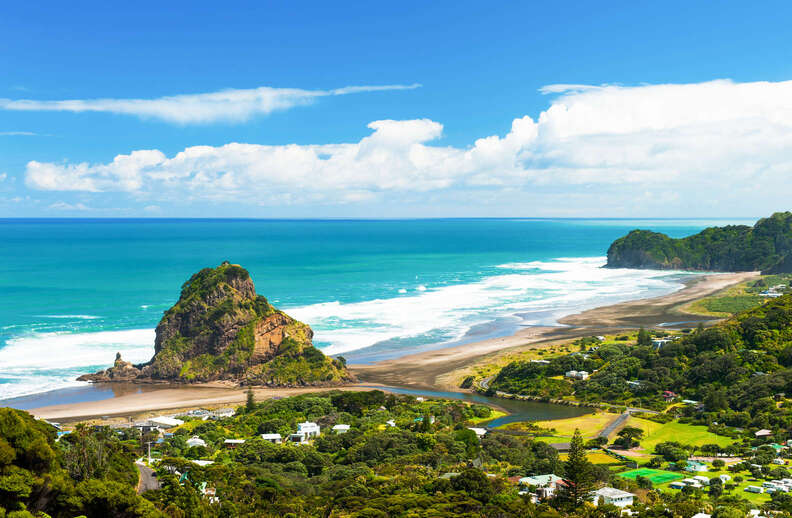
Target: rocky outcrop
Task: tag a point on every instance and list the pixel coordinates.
(220, 329)
(120, 371)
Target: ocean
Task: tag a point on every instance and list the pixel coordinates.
(74, 292)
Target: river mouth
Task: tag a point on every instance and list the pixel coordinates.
(519, 410)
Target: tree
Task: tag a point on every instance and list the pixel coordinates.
(644, 338)
(250, 404)
(579, 474)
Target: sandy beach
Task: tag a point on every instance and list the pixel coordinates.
(427, 370)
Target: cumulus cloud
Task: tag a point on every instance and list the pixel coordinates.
(718, 137)
(233, 105)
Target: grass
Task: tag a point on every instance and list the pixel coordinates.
(589, 424)
(656, 476)
(595, 457)
(733, 299)
(693, 435)
(495, 414)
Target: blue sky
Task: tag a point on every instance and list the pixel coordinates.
(480, 67)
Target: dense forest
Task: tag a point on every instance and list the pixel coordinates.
(766, 247)
(735, 369)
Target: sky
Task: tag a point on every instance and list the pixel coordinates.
(399, 109)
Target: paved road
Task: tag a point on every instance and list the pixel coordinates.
(605, 432)
(147, 480)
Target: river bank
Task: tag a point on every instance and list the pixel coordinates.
(431, 370)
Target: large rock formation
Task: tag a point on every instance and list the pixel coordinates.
(767, 246)
(221, 330)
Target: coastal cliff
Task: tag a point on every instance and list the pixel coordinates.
(766, 247)
(220, 329)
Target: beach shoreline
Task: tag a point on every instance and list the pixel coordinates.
(430, 370)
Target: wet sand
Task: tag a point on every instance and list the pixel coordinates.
(426, 370)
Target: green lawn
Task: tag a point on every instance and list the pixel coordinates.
(589, 424)
(656, 476)
(655, 433)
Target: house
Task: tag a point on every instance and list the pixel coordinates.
(309, 429)
(690, 402)
(341, 428)
(545, 484)
(195, 441)
(658, 343)
(694, 466)
(669, 396)
(541, 362)
(763, 433)
(222, 413)
(779, 462)
(600, 338)
(578, 375)
(633, 383)
(613, 496)
(480, 432)
(701, 479)
(202, 462)
(724, 478)
(274, 438)
(165, 422)
(702, 515)
(391, 423)
(233, 443)
(677, 485)
(754, 489)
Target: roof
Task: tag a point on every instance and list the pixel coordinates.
(540, 480)
(341, 427)
(479, 431)
(270, 436)
(234, 441)
(763, 432)
(612, 492)
(168, 422)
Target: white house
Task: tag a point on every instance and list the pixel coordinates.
(391, 423)
(578, 375)
(763, 433)
(480, 432)
(305, 432)
(545, 484)
(233, 443)
(702, 515)
(341, 428)
(611, 495)
(274, 438)
(195, 441)
(701, 479)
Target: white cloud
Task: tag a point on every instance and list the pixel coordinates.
(3, 177)
(17, 134)
(233, 105)
(61, 205)
(687, 145)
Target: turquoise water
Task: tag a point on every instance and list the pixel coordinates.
(73, 292)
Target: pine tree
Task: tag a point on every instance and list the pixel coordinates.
(250, 404)
(579, 474)
(644, 338)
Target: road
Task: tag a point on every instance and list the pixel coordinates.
(605, 432)
(147, 480)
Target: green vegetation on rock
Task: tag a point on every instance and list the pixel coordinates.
(767, 247)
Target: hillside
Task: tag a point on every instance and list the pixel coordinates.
(767, 246)
(220, 329)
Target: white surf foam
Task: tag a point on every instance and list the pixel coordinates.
(550, 288)
(39, 362)
(71, 317)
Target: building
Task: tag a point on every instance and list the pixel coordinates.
(545, 485)
(480, 432)
(612, 496)
(391, 423)
(233, 443)
(578, 375)
(659, 343)
(702, 515)
(669, 396)
(341, 428)
(305, 432)
(701, 479)
(541, 362)
(195, 441)
(694, 466)
(274, 438)
(763, 433)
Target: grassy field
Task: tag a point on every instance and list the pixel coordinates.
(734, 298)
(656, 476)
(588, 424)
(655, 433)
(595, 457)
(494, 415)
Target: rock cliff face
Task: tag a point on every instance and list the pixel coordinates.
(221, 330)
(767, 246)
